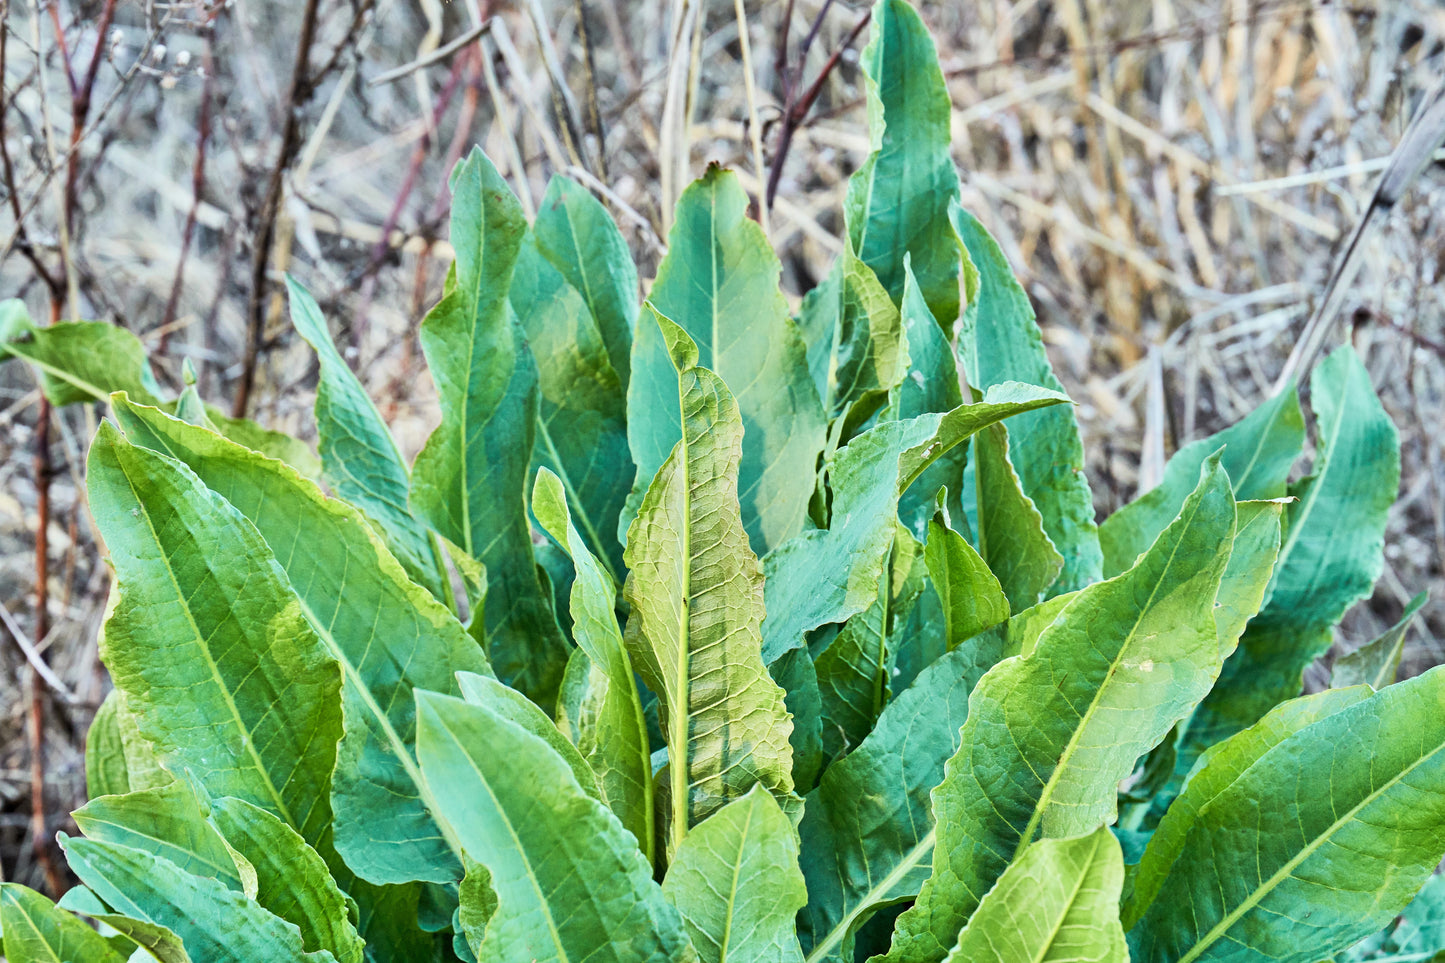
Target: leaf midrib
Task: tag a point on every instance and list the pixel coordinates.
(30, 920)
(905, 866)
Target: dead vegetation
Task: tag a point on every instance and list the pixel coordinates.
(1172, 179)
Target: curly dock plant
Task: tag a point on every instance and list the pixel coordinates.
(706, 630)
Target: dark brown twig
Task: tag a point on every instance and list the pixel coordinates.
(36, 722)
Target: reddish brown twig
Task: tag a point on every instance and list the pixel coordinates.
(198, 183)
(795, 112)
(36, 723)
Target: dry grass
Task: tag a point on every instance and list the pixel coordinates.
(1171, 178)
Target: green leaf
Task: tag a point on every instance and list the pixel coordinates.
(292, 880)
(273, 444)
(216, 924)
(1000, 343)
(36, 931)
(1418, 935)
(872, 351)
(470, 479)
(389, 635)
(719, 282)
(362, 463)
(168, 822)
(829, 575)
(582, 420)
(972, 598)
(736, 882)
(599, 707)
(818, 325)
(898, 201)
(1303, 834)
(208, 643)
(1011, 536)
(867, 829)
(1051, 734)
(569, 881)
(575, 233)
(77, 361)
(1057, 903)
(696, 592)
(1258, 452)
(1330, 557)
(1374, 664)
(106, 773)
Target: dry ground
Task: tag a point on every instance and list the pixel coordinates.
(1171, 178)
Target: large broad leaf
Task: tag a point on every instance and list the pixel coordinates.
(1050, 734)
(216, 924)
(898, 201)
(1258, 452)
(1331, 555)
(867, 829)
(582, 421)
(389, 635)
(360, 458)
(1011, 535)
(470, 479)
(719, 282)
(829, 575)
(575, 233)
(696, 592)
(1374, 664)
(1301, 835)
(599, 707)
(569, 882)
(223, 673)
(1057, 903)
(736, 882)
(1001, 342)
(36, 931)
(78, 361)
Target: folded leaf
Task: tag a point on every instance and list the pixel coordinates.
(470, 479)
(1374, 664)
(719, 282)
(223, 673)
(216, 924)
(1330, 557)
(696, 592)
(1057, 903)
(1303, 834)
(599, 708)
(389, 635)
(360, 458)
(872, 350)
(736, 882)
(78, 361)
(1011, 536)
(1258, 452)
(569, 881)
(36, 931)
(972, 598)
(829, 575)
(575, 233)
(1001, 342)
(867, 829)
(1051, 734)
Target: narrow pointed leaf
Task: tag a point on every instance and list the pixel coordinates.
(1002, 342)
(216, 924)
(1051, 734)
(582, 420)
(972, 597)
(599, 707)
(569, 881)
(470, 479)
(1375, 663)
(509, 704)
(1300, 836)
(360, 458)
(1258, 452)
(222, 671)
(1330, 556)
(806, 584)
(36, 931)
(389, 635)
(1011, 536)
(575, 233)
(736, 882)
(719, 282)
(872, 350)
(1058, 903)
(696, 592)
(167, 822)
